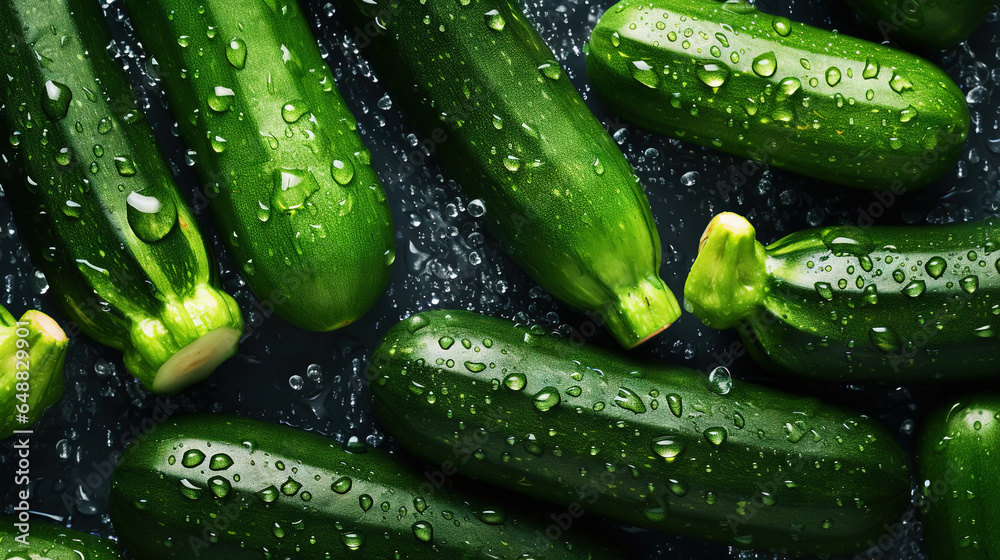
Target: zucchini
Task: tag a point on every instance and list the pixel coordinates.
(654, 446)
(725, 76)
(32, 356)
(285, 173)
(21, 540)
(924, 24)
(230, 487)
(476, 78)
(960, 483)
(96, 204)
(852, 304)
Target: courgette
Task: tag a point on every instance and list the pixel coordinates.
(39, 540)
(726, 76)
(285, 173)
(96, 204)
(229, 487)
(32, 356)
(924, 24)
(507, 124)
(852, 304)
(956, 462)
(654, 446)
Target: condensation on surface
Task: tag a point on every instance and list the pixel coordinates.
(446, 259)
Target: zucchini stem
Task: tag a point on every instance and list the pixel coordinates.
(726, 282)
(642, 312)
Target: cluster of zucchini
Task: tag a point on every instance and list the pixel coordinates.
(303, 215)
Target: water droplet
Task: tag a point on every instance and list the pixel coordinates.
(720, 381)
(219, 486)
(236, 53)
(643, 73)
(515, 381)
(788, 87)
(674, 403)
(218, 144)
(512, 163)
(899, 84)
(722, 39)
(263, 211)
(615, 39)
(192, 458)
(190, 490)
(220, 462)
(832, 76)
(547, 398)
(598, 166)
(445, 342)
(533, 446)
(475, 367)
(739, 421)
(293, 110)
(574, 391)
(668, 448)
(55, 100)
(494, 20)
(629, 400)
(655, 508)
(150, 218)
(713, 75)
(716, 435)
(183, 41)
(292, 187)
(477, 208)
(908, 114)
(343, 171)
(423, 530)
(221, 99)
(825, 290)
(125, 166)
(291, 487)
(935, 266)
(765, 65)
(885, 339)
(268, 494)
(871, 69)
(970, 283)
(782, 26)
(491, 516)
(352, 541)
(827, 523)
(365, 501)
(551, 70)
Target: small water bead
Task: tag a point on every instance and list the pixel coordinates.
(125, 166)
(192, 458)
(970, 283)
(645, 74)
(343, 171)
(491, 516)
(515, 381)
(551, 70)
(885, 339)
(445, 342)
(936, 266)
(825, 290)
(219, 486)
(494, 20)
(720, 381)
(351, 540)
(291, 487)
(713, 75)
(675, 404)
(423, 531)
(190, 490)
(667, 447)
(832, 76)
(220, 462)
(55, 100)
(782, 26)
(293, 110)
(268, 495)
(765, 65)
(871, 69)
(716, 435)
(365, 501)
(629, 400)
(236, 53)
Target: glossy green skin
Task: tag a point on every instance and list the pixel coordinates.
(833, 306)
(377, 510)
(957, 465)
(47, 541)
(446, 379)
(813, 112)
(320, 260)
(924, 24)
(141, 282)
(36, 359)
(507, 124)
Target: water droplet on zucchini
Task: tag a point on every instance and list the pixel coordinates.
(55, 100)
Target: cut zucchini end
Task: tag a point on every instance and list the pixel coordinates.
(725, 284)
(642, 312)
(46, 326)
(196, 361)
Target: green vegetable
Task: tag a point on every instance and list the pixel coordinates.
(648, 445)
(956, 461)
(725, 76)
(845, 303)
(32, 354)
(46, 541)
(227, 487)
(924, 24)
(285, 173)
(492, 101)
(96, 203)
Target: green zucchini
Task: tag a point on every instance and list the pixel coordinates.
(37, 540)
(285, 173)
(725, 76)
(924, 24)
(96, 204)
(956, 462)
(229, 487)
(478, 81)
(852, 304)
(32, 355)
(648, 445)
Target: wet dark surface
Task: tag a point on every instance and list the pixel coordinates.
(315, 381)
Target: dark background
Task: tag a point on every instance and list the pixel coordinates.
(314, 381)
